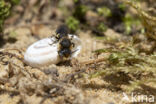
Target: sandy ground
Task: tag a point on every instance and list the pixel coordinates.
(85, 91)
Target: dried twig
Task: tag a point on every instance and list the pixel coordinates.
(93, 61)
(6, 52)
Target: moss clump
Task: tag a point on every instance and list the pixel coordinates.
(4, 12)
(76, 1)
(102, 27)
(14, 2)
(5, 8)
(72, 23)
(104, 11)
(80, 11)
(129, 22)
(148, 21)
(122, 6)
(138, 69)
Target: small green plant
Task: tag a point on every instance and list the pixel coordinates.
(102, 27)
(76, 1)
(72, 23)
(4, 12)
(148, 21)
(5, 8)
(129, 21)
(126, 62)
(15, 2)
(139, 69)
(80, 11)
(122, 6)
(104, 11)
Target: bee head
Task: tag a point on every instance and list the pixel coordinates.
(62, 31)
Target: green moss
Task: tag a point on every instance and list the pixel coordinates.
(80, 11)
(76, 1)
(122, 6)
(4, 12)
(102, 27)
(5, 8)
(148, 21)
(130, 21)
(104, 11)
(15, 2)
(100, 37)
(99, 51)
(129, 62)
(72, 23)
(12, 35)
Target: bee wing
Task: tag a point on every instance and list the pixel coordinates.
(77, 44)
(42, 52)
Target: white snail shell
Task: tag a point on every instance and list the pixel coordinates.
(45, 51)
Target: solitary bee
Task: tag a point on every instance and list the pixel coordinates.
(62, 31)
(65, 44)
(54, 49)
(65, 47)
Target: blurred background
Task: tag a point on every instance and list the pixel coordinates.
(94, 15)
(98, 17)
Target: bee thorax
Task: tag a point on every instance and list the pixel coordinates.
(65, 43)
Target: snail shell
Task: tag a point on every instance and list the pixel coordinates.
(45, 51)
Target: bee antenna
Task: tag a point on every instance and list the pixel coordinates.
(62, 29)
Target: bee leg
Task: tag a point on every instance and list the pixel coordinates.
(71, 37)
(73, 45)
(53, 42)
(74, 51)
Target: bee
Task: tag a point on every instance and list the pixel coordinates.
(65, 47)
(65, 44)
(54, 49)
(62, 31)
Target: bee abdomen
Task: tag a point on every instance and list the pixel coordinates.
(64, 52)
